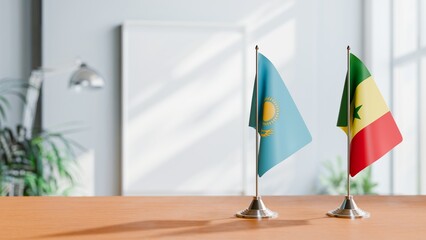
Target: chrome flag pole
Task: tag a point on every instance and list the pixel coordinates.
(348, 209)
(257, 208)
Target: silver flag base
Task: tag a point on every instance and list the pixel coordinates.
(348, 209)
(257, 209)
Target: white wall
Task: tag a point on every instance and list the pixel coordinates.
(394, 50)
(15, 48)
(340, 23)
(306, 40)
(378, 58)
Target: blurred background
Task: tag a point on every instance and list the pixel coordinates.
(172, 115)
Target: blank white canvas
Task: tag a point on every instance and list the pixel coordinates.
(182, 109)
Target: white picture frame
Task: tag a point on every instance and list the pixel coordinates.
(193, 64)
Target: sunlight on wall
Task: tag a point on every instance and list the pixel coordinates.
(206, 51)
(284, 33)
(266, 13)
(405, 111)
(405, 33)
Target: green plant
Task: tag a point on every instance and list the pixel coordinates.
(35, 166)
(39, 165)
(335, 177)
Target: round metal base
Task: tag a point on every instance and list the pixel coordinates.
(348, 209)
(257, 209)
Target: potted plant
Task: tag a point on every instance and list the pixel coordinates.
(32, 166)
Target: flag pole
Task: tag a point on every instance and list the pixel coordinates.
(348, 209)
(257, 122)
(348, 183)
(257, 208)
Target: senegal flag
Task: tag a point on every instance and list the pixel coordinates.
(373, 129)
(281, 126)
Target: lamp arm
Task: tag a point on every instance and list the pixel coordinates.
(33, 93)
(32, 96)
(84, 76)
(57, 70)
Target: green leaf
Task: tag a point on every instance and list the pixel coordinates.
(2, 113)
(30, 182)
(20, 95)
(5, 101)
(48, 158)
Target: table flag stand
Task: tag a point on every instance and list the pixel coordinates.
(348, 209)
(257, 208)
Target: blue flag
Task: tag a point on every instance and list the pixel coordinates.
(281, 126)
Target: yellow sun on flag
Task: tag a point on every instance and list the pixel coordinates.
(270, 111)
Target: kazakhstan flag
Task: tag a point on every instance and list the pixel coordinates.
(281, 127)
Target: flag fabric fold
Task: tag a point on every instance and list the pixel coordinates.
(373, 129)
(281, 127)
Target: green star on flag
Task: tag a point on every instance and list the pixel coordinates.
(356, 114)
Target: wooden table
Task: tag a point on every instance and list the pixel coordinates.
(301, 217)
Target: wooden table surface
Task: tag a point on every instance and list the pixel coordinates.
(301, 217)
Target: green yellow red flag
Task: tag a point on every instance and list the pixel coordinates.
(373, 129)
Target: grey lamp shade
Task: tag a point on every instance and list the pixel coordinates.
(86, 77)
